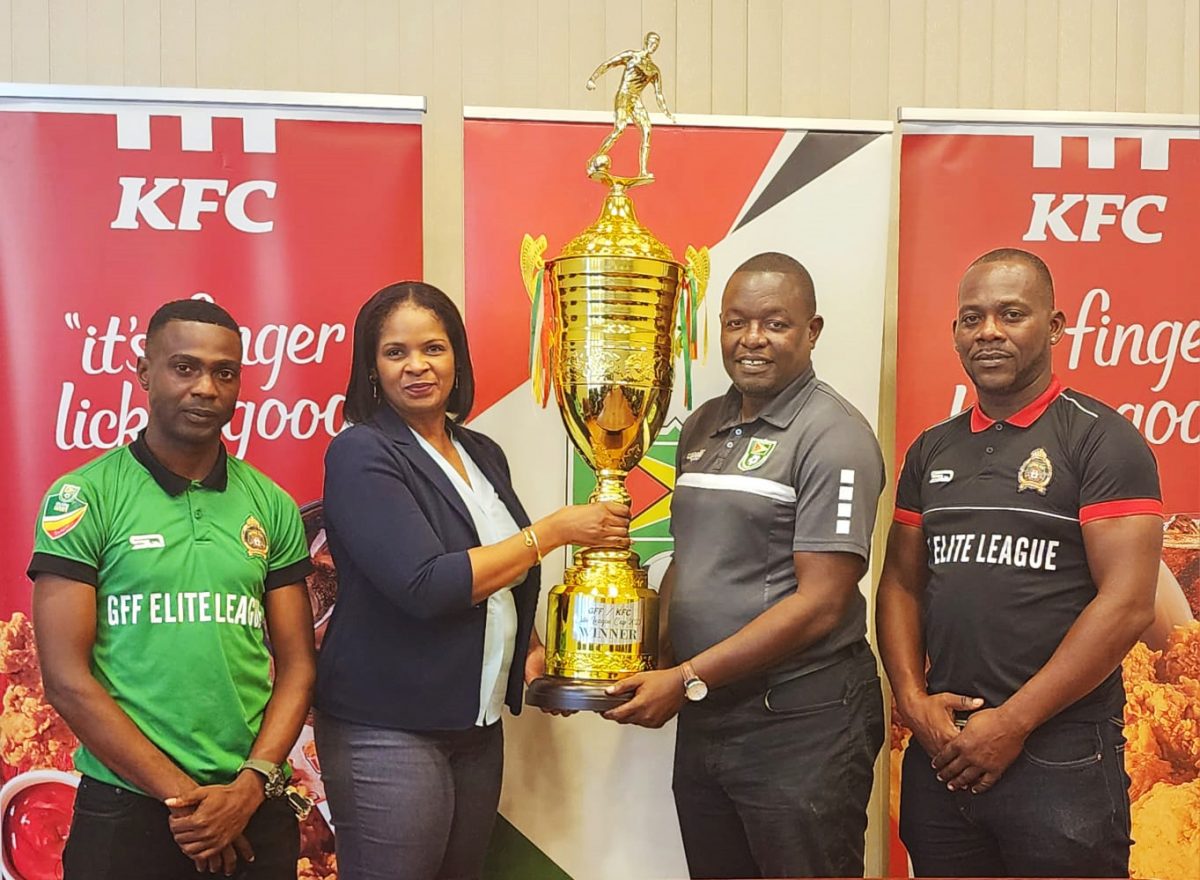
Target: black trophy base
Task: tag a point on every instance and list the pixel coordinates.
(572, 695)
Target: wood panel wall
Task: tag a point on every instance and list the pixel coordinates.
(832, 58)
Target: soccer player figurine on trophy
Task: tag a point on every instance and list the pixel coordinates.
(639, 72)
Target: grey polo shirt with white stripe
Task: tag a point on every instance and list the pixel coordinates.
(804, 475)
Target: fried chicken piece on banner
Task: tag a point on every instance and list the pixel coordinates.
(317, 860)
(1171, 713)
(32, 735)
(18, 653)
(1140, 664)
(1181, 656)
(1166, 828)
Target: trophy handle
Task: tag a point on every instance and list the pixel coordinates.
(696, 272)
(541, 317)
(699, 265)
(531, 260)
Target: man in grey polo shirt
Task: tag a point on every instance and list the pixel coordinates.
(778, 696)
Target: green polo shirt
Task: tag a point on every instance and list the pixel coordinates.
(180, 569)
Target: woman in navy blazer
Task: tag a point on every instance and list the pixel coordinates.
(438, 581)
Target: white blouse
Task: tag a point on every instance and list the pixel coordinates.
(494, 523)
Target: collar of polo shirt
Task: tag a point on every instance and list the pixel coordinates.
(1024, 417)
(780, 412)
(169, 481)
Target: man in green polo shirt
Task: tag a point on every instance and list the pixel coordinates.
(158, 568)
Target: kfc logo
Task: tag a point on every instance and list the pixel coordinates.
(139, 202)
(1050, 216)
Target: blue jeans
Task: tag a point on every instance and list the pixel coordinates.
(117, 834)
(410, 805)
(774, 782)
(1060, 810)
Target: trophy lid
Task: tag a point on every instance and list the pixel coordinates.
(617, 233)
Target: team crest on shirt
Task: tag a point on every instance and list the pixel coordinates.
(757, 454)
(1035, 473)
(64, 510)
(254, 539)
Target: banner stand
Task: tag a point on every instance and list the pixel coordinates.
(1108, 201)
(289, 209)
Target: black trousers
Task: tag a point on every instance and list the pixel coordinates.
(1060, 810)
(117, 834)
(775, 782)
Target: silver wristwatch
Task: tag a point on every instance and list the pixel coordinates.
(693, 685)
(276, 783)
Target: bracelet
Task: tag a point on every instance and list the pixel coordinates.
(532, 541)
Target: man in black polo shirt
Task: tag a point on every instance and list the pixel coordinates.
(1022, 561)
(778, 695)
(157, 567)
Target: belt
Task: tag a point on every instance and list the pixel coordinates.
(758, 685)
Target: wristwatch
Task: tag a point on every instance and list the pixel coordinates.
(694, 687)
(276, 784)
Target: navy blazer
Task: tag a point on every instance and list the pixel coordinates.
(404, 647)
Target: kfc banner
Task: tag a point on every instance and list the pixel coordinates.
(582, 796)
(288, 210)
(1110, 204)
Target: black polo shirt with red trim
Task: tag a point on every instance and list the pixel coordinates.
(1002, 506)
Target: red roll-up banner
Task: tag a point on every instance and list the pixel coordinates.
(287, 209)
(1110, 203)
(814, 189)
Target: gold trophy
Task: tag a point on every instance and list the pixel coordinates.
(609, 315)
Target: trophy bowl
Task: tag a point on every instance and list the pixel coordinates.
(613, 382)
(612, 301)
(613, 386)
